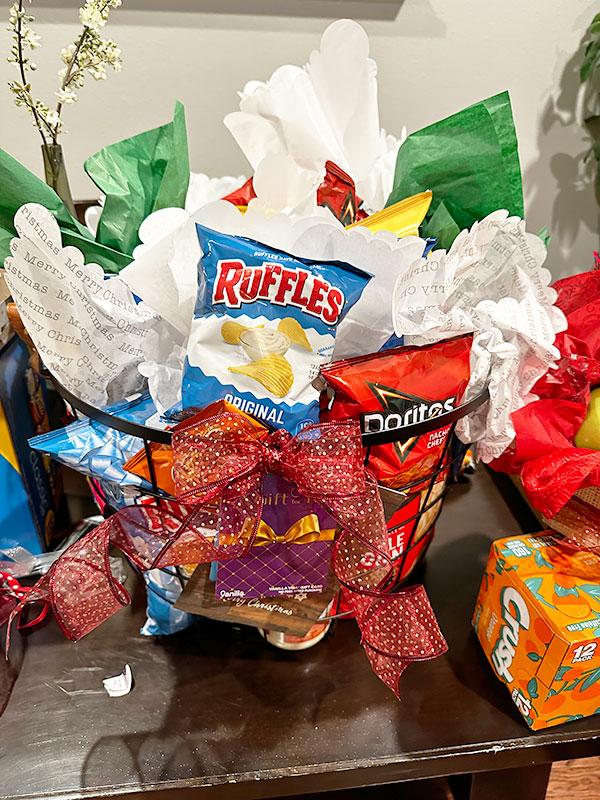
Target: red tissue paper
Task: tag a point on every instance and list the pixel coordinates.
(552, 469)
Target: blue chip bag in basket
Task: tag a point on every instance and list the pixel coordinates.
(98, 451)
(164, 587)
(264, 323)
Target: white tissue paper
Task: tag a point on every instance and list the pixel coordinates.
(327, 110)
(88, 329)
(203, 190)
(491, 282)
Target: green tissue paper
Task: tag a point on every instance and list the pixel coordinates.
(19, 186)
(471, 163)
(138, 176)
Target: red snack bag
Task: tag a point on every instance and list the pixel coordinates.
(399, 387)
(242, 196)
(336, 192)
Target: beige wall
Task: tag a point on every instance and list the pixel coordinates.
(435, 57)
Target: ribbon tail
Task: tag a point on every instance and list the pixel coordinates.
(397, 629)
(37, 594)
(80, 587)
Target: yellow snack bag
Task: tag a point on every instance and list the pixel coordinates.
(402, 218)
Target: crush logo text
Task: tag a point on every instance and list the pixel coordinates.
(238, 283)
(516, 617)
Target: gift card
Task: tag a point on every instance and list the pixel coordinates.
(291, 552)
(293, 615)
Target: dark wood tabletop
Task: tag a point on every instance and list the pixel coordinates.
(218, 710)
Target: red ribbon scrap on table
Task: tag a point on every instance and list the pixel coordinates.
(11, 594)
(224, 459)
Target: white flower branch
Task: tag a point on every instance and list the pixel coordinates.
(89, 53)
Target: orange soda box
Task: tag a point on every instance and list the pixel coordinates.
(538, 620)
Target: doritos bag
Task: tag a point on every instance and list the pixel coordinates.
(264, 323)
(399, 387)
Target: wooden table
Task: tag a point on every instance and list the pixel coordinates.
(216, 712)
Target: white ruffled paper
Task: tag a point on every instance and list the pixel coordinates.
(491, 282)
(327, 110)
(202, 189)
(88, 329)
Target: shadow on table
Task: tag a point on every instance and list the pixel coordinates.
(233, 698)
(216, 699)
(465, 558)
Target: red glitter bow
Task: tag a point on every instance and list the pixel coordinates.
(225, 458)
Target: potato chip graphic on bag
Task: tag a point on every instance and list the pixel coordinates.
(231, 331)
(274, 372)
(295, 332)
(264, 323)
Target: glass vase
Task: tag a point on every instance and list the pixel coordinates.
(56, 175)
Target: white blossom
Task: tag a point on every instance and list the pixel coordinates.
(66, 96)
(90, 15)
(89, 54)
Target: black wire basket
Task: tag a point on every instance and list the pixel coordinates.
(410, 533)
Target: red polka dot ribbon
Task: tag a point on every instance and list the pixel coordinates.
(219, 464)
(14, 594)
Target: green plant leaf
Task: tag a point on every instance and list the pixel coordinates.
(590, 61)
(534, 656)
(532, 688)
(593, 126)
(545, 237)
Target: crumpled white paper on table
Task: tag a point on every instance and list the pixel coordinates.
(326, 110)
(87, 329)
(491, 282)
(121, 684)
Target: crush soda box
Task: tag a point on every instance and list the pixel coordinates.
(538, 620)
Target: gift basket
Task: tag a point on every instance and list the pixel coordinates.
(278, 376)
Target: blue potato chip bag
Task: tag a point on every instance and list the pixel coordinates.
(98, 451)
(162, 618)
(264, 323)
